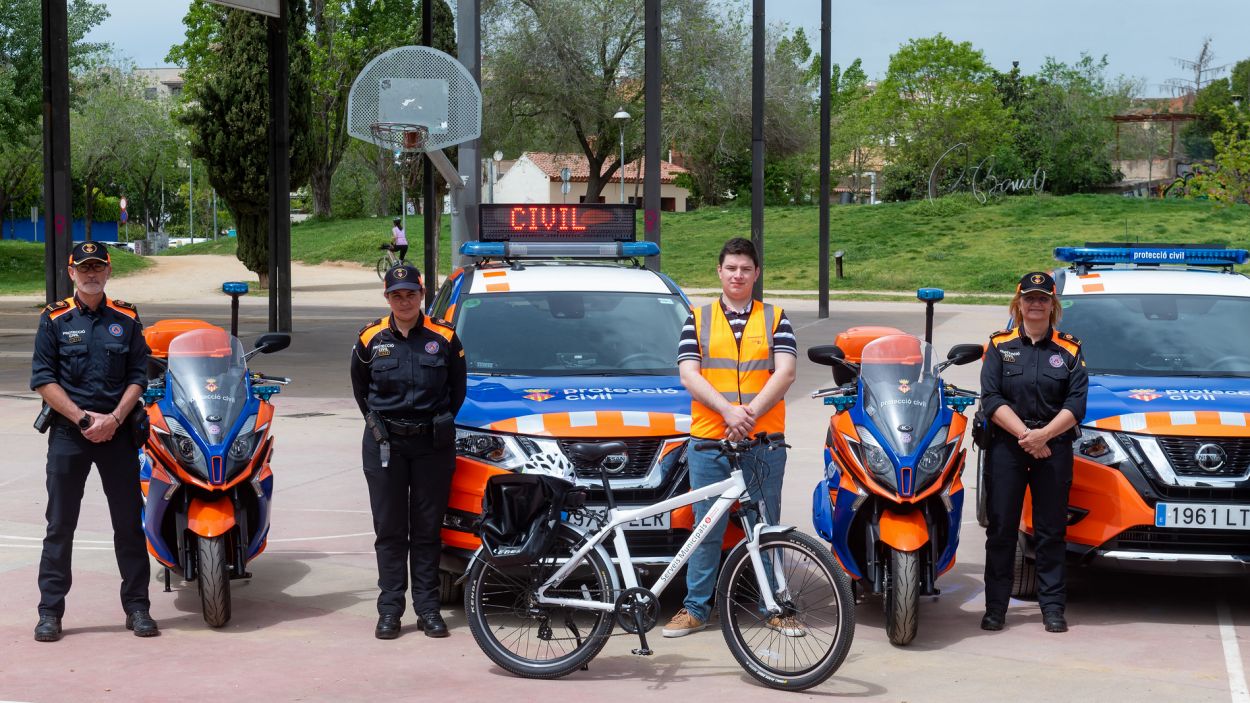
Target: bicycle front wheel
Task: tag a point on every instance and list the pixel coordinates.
(810, 638)
(534, 640)
(384, 265)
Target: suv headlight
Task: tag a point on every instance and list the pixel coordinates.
(874, 458)
(1100, 447)
(491, 448)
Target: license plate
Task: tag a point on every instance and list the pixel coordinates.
(1211, 516)
(585, 517)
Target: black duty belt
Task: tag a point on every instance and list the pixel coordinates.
(1035, 424)
(408, 428)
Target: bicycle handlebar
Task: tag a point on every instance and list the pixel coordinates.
(741, 446)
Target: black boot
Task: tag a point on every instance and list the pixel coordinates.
(432, 623)
(142, 624)
(388, 627)
(1054, 621)
(48, 629)
(993, 621)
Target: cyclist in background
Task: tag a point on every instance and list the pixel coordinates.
(399, 240)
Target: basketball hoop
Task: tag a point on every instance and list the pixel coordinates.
(400, 136)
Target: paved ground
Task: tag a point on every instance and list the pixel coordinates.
(302, 627)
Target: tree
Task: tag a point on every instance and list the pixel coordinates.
(345, 35)
(1209, 104)
(96, 121)
(1064, 127)
(21, 58)
(148, 149)
(227, 110)
(559, 69)
(712, 119)
(937, 94)
(1200, 70)
(1228, 180)
(19, 170)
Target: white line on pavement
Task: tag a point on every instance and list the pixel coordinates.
(40, 539)
(313, 539)
(1232, 655)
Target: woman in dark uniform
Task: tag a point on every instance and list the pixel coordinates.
(1033, 387)
(408, 378)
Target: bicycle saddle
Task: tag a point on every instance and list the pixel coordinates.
(593, 453)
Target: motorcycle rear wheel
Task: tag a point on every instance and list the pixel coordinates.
(213, 578)
(902, 597)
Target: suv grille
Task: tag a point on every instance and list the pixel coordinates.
(641, 450)
(1181, 453)
(1167, 539)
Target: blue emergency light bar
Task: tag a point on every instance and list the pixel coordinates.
(553, 250)
(1184, 256)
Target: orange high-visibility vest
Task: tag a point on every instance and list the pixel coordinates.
(738, 372)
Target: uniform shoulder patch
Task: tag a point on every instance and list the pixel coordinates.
(58, 305)
(1002, 335)
(370, 330)
(124, 308)
(1069, 338)
(441, 322)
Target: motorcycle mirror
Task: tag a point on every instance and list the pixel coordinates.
(272, 342)
(965, 353)
(826, 354)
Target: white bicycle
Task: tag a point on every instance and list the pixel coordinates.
(786, 608)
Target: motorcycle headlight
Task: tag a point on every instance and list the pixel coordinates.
(875, 459)
(1099, 446)
(242, 448)
(179, 444)
(494, 449)
(932, 461)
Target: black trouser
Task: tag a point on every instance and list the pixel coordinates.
(1009, 471)
(70, 456)
(401, 251)
(409, 499)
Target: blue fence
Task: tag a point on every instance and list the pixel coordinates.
(33, 232)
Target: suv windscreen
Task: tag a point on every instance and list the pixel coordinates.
(1168, 335)
(571, 333)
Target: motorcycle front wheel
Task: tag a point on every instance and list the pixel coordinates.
(902, 597)
(810, 638)
(213, 577)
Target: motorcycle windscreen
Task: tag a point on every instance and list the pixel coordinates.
(900, 390)
(208, 375)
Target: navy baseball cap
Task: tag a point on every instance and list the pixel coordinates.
(403, 277)
(1036, 281)
(88, 251)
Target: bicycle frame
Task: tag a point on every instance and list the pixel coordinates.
(726, 492)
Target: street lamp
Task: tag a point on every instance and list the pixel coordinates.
(494, 172)
(190, 194)
(622, 116)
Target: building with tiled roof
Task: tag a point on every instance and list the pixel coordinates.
(535, 178)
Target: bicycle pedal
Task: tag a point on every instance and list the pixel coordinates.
(641, 652)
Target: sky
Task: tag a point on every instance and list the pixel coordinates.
(1140, 38)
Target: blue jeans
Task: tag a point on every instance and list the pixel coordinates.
(763, 470)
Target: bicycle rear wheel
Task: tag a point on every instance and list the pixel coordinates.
(533, 640)
(809, 640)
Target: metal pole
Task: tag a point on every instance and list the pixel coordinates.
(826, 15)
(279, 175)
(757, 137)
(430, 209)
(190, 196)
(651, 126)
(214, 214)
(58, 230)
(621, 163)
(469, 51)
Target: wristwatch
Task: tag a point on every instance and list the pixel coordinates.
(84, 422)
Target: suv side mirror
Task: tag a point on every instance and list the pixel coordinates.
(961, 354)
(272, 342)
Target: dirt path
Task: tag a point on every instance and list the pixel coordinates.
(197, 280)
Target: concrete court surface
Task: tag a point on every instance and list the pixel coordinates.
(302, 627)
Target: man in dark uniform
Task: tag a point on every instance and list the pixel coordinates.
(408, 377)
(89, 366)
(1033, 388)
